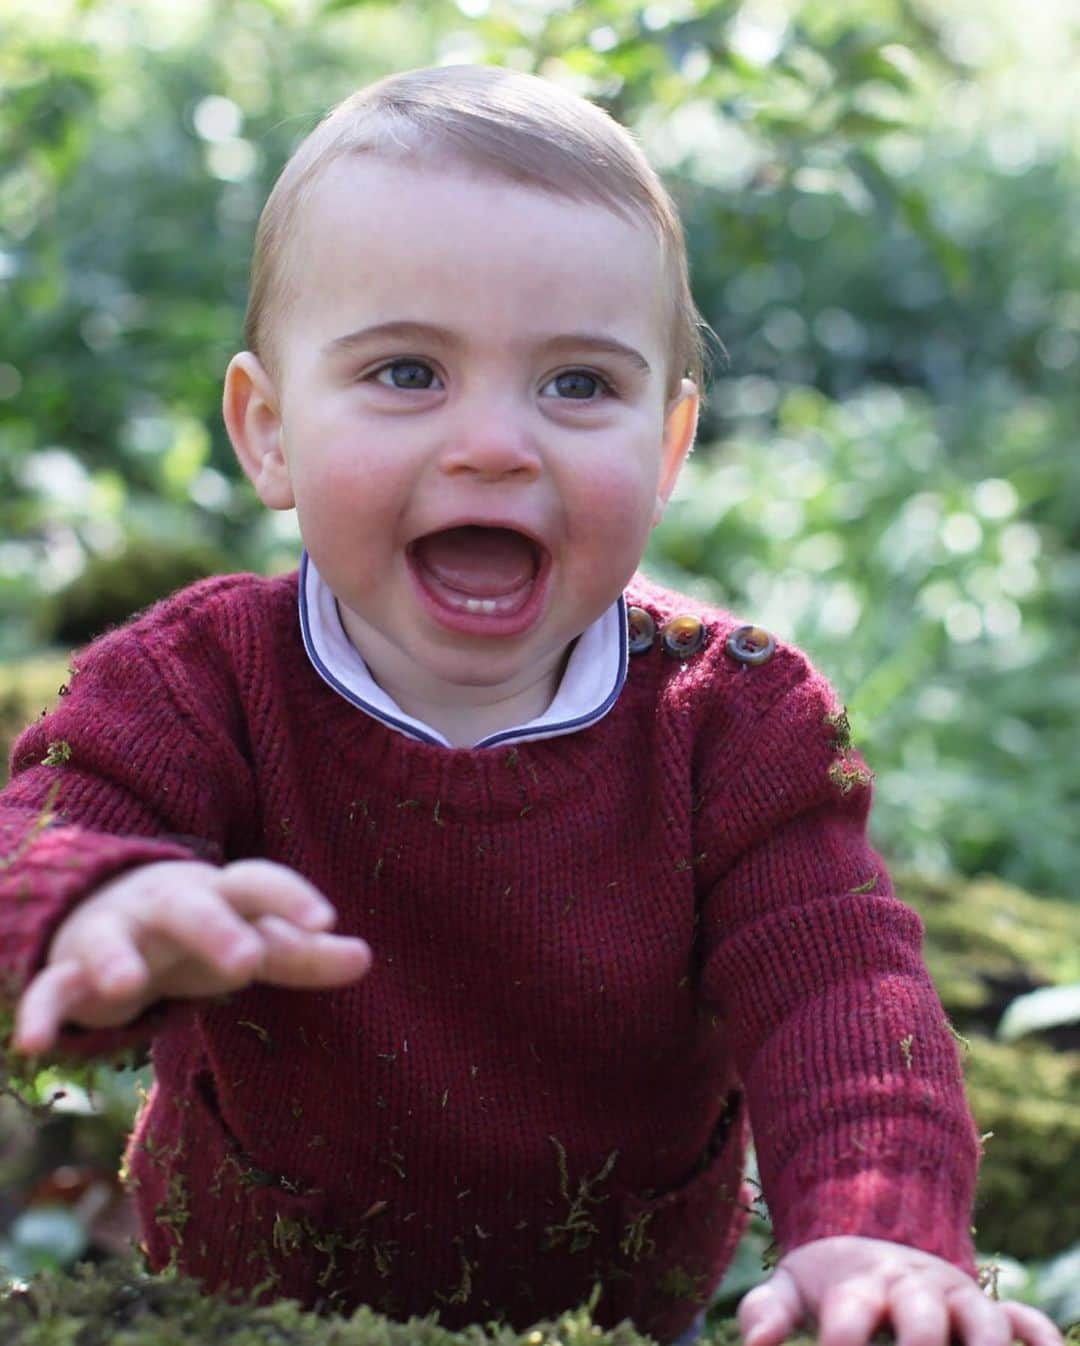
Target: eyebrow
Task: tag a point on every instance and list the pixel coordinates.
(423, 331)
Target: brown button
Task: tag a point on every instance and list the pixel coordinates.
(751, 645)
(642, 630)
(682, 636)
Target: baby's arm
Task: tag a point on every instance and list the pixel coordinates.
(865, 1145)
(144, 759)
(847, 1287)
(183, 928)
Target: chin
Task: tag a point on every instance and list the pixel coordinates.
(470, 675)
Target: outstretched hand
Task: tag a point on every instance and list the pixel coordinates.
(183, 928)
(848, 1287)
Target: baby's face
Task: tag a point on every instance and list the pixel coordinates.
(473, 415)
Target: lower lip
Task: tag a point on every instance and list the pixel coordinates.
(490, 624)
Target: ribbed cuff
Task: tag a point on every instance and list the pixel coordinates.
(60, 868)
(913, 1207)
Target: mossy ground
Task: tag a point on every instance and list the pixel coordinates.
(117, 1305)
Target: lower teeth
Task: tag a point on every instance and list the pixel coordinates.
(480, 605)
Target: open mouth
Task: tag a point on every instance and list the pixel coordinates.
(480, 578)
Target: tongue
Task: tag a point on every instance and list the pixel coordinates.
(476, 560)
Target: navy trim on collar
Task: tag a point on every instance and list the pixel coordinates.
(416, 729)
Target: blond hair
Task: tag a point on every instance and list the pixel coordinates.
(513, 125)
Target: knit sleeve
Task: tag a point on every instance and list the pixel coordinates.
(814, 968)
(136, 764)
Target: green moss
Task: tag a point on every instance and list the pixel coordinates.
(59, 752)
(1024, 1094)
(578, 1228)
(987, 942)
(118, 1305)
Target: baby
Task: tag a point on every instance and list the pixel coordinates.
(593, 854)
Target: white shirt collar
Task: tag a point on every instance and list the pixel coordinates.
(591, 682)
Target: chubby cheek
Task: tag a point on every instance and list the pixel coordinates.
(340, 488)
(610, 519)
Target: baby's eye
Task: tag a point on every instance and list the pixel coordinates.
(577, 385)
(406, 374)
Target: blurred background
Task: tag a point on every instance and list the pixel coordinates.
(882, 205)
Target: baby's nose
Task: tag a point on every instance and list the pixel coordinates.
(491, 445)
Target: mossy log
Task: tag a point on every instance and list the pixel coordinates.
(987, 942)
(1026, 1101)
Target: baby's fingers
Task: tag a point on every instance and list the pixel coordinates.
(850, 1311)
(45, 1004)
(203, 927)
(771, 1311)
(1030, 1325)
(920, 1315)
(978, 1320)
(263, 888)
(298, 958)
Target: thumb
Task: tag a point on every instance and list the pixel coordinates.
(771, 1311)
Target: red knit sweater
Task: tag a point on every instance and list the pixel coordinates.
(598, 957)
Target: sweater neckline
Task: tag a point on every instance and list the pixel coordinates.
(594, 676)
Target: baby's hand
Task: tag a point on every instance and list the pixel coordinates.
(848, 1287)
(183, 928)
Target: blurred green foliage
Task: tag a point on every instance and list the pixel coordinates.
(880, 199)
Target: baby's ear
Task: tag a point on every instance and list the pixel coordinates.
(680, 426)
(253, 420)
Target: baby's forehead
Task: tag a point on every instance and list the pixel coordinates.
(428, 218)
(381, 177)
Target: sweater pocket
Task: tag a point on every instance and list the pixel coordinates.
(241, 1227)
(675, 1246)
